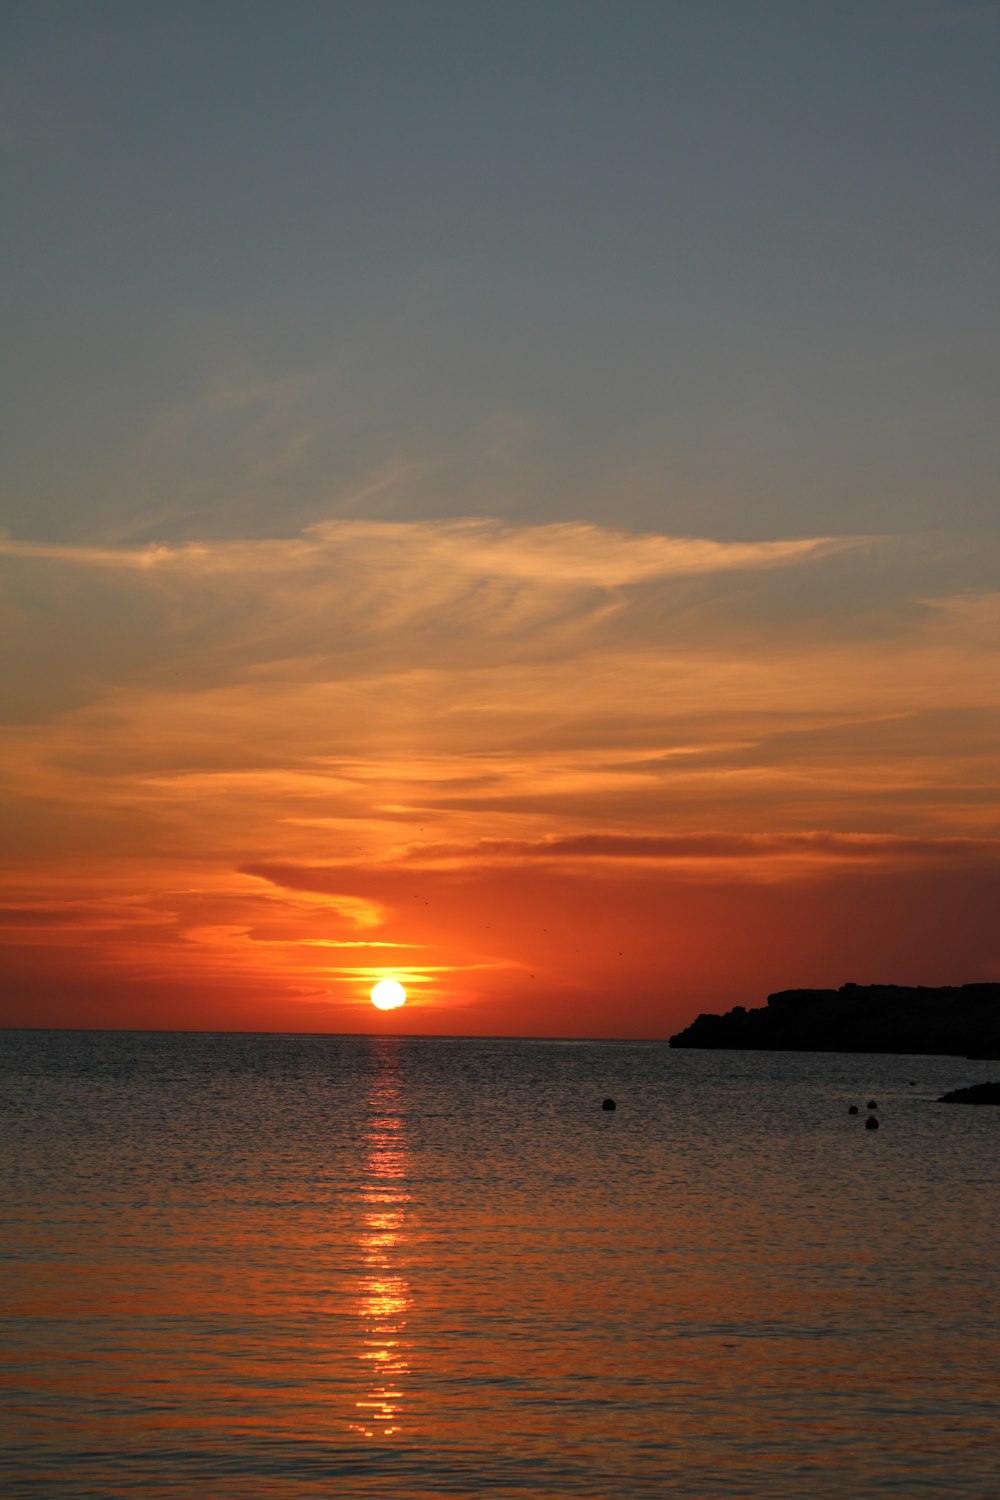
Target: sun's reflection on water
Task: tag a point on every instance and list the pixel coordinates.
(384, 1292)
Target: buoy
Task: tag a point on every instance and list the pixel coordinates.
(872, 1104)
(609, 1104)
(871, 1123)
(852, 1109)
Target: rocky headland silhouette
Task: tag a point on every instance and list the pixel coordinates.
(959, 1020)
(976, 1093)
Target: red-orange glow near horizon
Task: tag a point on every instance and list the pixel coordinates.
(551, 806)
(388, 994)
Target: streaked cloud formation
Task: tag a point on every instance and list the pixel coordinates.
(720, 847)
(494, 760)
(557, 555)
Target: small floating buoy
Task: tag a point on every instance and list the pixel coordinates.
(872, 1104)
(609, 1104)
(852, 1109)
(871, 1123)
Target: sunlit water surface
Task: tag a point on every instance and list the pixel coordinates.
(315, 1266)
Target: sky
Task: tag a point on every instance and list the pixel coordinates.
(500, 497)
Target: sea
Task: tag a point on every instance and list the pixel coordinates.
(329, 1266)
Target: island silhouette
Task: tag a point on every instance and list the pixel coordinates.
(961, 1020)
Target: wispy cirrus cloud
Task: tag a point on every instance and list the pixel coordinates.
(553, 555)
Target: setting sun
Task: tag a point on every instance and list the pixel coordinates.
(388, 994)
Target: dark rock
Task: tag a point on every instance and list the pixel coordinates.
(956, 1020)
(871, 1123)
(976, 1093)
(609, 1104)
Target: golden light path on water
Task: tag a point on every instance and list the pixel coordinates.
(385, 1293)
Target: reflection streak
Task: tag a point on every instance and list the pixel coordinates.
(385, 1293)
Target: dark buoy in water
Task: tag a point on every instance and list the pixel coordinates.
(609, 1104)
(852, 1109)
(872, 1104)
(871, 1123)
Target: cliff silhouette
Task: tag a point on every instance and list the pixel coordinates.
(962, 1020)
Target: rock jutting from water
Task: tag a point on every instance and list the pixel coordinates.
(961, 1020)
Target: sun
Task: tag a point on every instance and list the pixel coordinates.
(388, 994)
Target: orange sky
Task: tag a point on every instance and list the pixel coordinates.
(558, 779)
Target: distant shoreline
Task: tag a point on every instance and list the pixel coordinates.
(949, 1020)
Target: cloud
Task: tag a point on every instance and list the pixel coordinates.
(823, 846)
(567, 554)
(561, 554)
(52, 916)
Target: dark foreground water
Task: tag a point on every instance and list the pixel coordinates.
(344, 1267)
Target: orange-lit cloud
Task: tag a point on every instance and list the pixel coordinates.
(552, 555)
(722, 848)
(262, 773)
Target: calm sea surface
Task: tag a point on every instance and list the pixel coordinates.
(346, 1267)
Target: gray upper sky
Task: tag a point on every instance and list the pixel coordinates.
(707, 267)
